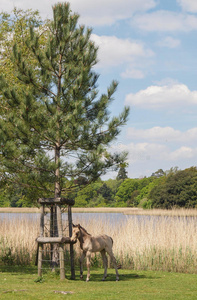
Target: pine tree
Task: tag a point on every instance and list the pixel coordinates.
(57, 129)
(122, 173)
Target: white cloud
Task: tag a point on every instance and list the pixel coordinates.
(114, 51)
(146, 151)
(188, 5)
(143, 151)
(169, 42)
(165, 21)
(44, 6)
(167, 96)
(107, 12)
(146, 157)
(160, 148)
(154, 134)
(183, 153)
(164, 135)
(102, 12)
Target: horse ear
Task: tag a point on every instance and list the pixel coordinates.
(79, 226)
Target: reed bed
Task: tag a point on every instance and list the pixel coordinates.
(17, 240)
(146, 243)
(154, 243)
(178, 212)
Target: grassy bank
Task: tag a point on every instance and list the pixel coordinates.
(23, 283)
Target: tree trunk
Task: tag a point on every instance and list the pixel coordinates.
(57, 192)
(54, 221)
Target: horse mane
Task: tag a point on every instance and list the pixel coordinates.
(84, 229)
(80, 227)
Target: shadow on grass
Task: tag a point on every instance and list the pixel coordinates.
(112, 277)
(96, 275)
(126, 277)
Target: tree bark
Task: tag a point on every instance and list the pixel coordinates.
(54, 216)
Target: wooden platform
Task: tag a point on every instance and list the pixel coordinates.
(49, 201)
(54, 240)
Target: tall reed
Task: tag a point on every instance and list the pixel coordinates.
(154, 243)
(17, 240)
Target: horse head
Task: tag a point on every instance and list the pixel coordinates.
(76, 233)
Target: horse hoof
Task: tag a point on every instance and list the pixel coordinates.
(87, 280)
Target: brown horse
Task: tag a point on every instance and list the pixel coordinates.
(88, 243)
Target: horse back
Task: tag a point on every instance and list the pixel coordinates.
(101, 242)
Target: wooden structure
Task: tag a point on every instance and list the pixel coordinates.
(56, 236)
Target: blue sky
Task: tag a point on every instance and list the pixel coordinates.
(149, 47)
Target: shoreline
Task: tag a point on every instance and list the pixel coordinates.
(74, 210)
(181, 212)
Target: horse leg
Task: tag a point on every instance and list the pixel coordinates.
(105, 263)
(81, 264)
(88, 257)
(110, 252)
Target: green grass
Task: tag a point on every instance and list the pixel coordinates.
(23, 283)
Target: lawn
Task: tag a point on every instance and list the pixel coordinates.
(23, 283)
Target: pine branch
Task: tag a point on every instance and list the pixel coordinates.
(29, 186)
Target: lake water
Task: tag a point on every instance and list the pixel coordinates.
(113, 218)
(76, 217)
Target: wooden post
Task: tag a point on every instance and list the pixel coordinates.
(40, 246)
(61, 258)
(54, 232)
(59, 221)
(40, 250)
(51, 231)
(56, 239)
(42, 221)
(61, 249)
(72, 265)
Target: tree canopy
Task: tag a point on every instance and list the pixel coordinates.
(56, 127)
(179, 189)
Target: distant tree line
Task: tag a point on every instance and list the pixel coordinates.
(169, 189)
